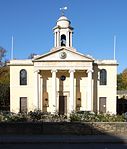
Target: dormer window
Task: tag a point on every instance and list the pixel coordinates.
(63, 40)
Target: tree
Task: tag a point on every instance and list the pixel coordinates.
(120, 85)
(4, 97)
(4, 82)
(31, 55)
(2, 55)
(5, 75)
(124, 78)
(4, 88)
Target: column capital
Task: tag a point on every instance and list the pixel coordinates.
(89, 71)
(53, 70)
(37, 71)
(71, 70)
(56, 29)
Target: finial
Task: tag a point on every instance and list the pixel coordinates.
(63, 10)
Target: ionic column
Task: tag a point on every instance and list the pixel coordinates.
(58, 39)
(67, 39)
(72, 90)
(39, 85)
(70, 36)
(40, 106)
(55, 39)
(89, 91)
(36, 98)
(54, 90)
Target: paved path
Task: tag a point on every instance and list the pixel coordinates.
(72, 139)
(64, 146)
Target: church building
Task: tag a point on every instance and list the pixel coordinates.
(63, 80)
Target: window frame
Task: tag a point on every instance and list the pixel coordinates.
(103, 77)
(23, 108)
(23, 80)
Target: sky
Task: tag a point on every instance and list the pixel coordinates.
(95, 23)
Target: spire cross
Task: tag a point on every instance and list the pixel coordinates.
(63, 10)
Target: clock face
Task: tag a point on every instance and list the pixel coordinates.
(62, 78)
(63, 55)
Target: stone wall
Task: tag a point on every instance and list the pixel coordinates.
(64, 128)
(85, 128)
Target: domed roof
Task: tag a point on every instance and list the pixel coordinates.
(63, 22)
(63, 18)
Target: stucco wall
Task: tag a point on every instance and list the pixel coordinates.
(109, 90)
(17, 90)
(80, 83)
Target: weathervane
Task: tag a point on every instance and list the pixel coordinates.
(63, 10)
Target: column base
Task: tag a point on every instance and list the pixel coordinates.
(54, 110)
(82, 109)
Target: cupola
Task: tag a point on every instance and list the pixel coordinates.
(63, 32)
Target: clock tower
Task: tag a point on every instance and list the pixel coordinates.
(63, 32)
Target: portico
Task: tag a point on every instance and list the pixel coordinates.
(64, 85)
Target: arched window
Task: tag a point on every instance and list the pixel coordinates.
(23, 77)
(63, 40)
(103, 77)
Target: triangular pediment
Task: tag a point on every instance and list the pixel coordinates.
(63, 54)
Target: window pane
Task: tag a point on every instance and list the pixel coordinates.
(103, 77)
(23, 77)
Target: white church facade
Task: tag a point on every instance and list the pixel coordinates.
(63, 80)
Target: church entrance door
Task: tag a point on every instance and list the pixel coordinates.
(62, 105)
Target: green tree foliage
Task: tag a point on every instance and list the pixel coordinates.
(120, 85)
(122, 80)
(4, 97)
(4, 82)
(5, 75)
(2, 56)
(31, 55)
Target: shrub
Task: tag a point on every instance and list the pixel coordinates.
(38, 116)
(35, 115)
(1, 118)
(92, 117)
(15, 118)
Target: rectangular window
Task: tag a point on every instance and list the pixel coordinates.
(23, 104)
